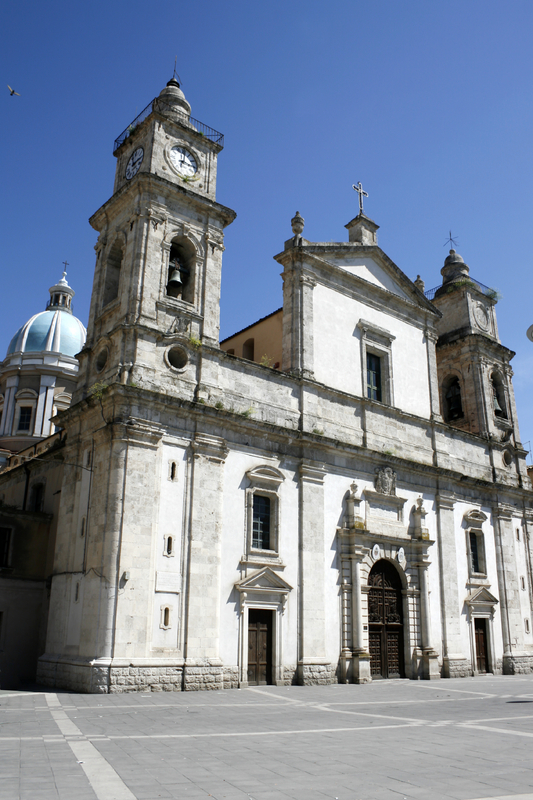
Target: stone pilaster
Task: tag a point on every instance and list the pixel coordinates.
(313, 666)
(511, 619)
(360, 654)
(298, 322)
(203, 667)
(455, 664)
(433, 378)
(430, 663)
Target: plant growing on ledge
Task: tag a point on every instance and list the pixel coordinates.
(266, 361)
(493, 294)
(196, 343)
(247, 412)
(97, 391)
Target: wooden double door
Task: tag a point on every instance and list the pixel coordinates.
(482, 650)
(385, 618)
(260, 629)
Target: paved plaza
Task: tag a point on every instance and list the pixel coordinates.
(463, 739)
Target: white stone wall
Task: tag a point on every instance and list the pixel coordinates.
(337, 349)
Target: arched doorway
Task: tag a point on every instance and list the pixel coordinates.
(385, 621)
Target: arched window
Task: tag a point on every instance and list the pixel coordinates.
(453, 407)
(180, 281)
(498, 396)
(112, 273)
(248, 349)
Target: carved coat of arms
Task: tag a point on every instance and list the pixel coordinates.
(385, 480)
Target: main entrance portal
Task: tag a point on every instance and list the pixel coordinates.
(259, 647)
(385, 618)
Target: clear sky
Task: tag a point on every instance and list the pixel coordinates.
(426, 102)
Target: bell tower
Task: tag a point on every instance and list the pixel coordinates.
(474, 372)
(156, 287)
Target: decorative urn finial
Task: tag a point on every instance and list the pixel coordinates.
(297, 224)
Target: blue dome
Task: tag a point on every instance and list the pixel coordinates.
(55, 331)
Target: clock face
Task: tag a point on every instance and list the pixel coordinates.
(134, 164)
(183, 161)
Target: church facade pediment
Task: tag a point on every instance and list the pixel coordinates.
(263, 580)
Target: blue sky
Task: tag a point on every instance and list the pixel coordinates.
(426, 102)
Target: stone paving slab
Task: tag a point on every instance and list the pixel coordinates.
(467, 739)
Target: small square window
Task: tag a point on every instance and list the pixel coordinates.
(261, 522)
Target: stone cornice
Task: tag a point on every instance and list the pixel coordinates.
(148, 181)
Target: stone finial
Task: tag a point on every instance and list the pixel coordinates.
(297, 224)
(454, 268)
(174, 98)
(419, 283)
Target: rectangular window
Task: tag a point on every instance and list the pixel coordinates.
(261, 522)
(474, 552)
(373, 377)
(5, 538)
(25, 418)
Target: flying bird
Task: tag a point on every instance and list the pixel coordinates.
(12, 91)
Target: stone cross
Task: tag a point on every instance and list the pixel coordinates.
(360, 191)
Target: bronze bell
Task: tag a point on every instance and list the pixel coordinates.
(175, 277)
(497, 406)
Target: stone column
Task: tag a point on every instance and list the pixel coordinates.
(361, 656)
(313, 666)
(203, 667)
(455, 664)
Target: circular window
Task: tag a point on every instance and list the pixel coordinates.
(101, 359)
(507, 458)
(177, 357)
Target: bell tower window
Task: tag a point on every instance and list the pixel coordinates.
(180, 282)
(498, 396)
(453, 404)
(112, 274)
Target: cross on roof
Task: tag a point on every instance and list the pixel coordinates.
(360, 191)
(66, 264)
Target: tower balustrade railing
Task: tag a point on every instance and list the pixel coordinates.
(159, 106)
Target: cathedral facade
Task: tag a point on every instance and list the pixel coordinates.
(337, 493)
